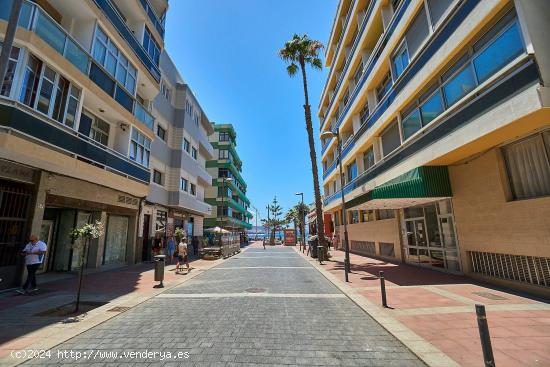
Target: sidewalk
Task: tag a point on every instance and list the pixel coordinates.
(439, 308)
(123, 287)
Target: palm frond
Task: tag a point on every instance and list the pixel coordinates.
(292, 69)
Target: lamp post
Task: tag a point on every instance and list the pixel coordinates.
(336, 134)
(268, 233)
(256, 217)
(303, 222)
(224, 179)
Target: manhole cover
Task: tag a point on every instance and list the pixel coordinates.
(490, 296)
(255, 290)
(119, 309)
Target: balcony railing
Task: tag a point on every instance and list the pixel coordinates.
(33, 18)
(126, 33)
(49, 132)
(153, 17)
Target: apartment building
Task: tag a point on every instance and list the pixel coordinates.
(178, 162)
(443, 112)
(233, 213)
(76, 128)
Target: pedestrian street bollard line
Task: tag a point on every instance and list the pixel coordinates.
(383, 288)
(484, 336)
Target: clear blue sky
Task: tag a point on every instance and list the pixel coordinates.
(227, 52)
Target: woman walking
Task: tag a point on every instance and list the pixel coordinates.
(170, 248)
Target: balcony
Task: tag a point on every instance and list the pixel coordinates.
(19, 118)
(127, 34)
(34, 19)
(159, 26)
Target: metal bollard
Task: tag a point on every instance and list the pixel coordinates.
(488, 357)
(383, 288)
(320, 251)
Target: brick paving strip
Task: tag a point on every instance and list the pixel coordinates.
(293, 316)
(433, 313)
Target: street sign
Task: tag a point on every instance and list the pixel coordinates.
(290, 237)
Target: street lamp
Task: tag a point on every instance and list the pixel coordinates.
(224, 179)
(303, 221)
(256, 217)
(331, 134)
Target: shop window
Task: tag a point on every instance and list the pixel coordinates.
(390, 139)
(528, 166)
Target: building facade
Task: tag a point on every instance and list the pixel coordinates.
(443, 112)
(178, 162)
(227, 164)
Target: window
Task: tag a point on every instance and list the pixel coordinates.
(46, 90)
(151, 46)
(31, 79)
(368, 159)
(140, 147)
(224, 136)
(100, 131)
(223, 154)
(157, 177)
(188, 107)
(417, 32)
(353, 216)
(193, 190)
(186, 145)
(161, 132)
(223, 172)
(367, 215)
(108, 55)
(364, 114)
(160, 224)
(351, 171)
(10, 71)
(390, 139)
(166, 92)
(194, 152)
(386, 214)
(196, 119)
(183, 184)
(432, 108)
(400, 60)
(383, 87)
(528, 166)
(459, 85)
(411, 124)
(437, 9)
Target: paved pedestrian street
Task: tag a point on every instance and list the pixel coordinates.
(261, 307)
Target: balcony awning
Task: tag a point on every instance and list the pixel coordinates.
(420, 185)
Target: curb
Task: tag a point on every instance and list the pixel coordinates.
(424, 350)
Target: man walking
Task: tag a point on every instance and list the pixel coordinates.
(34, 253)
(182, 256)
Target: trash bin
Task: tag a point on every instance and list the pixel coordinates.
(159, 268)
(313, 242)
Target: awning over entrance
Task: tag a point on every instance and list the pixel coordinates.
(420, 185)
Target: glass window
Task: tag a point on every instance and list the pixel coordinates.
(223, 172)
(151, 46)
(411, 124)
(353, 216)
(194, 152)
(183, 184)
(351, 171)
(186, 145)
(386, 214)
(367, 215)
(61, 95)
(10, 71)
(383, 87)
(498, 53)
(161, 132)
(72, 106)
(437, 9)
(223, 154)
(417, 32)
(390, 139)
(368, 159)
(432, 108)
(140, 147)
(224, 136)
(46, 90)
(157, 177)
(364, 114)
(459, 85)
(193, 189)
(400, 60)
(31, 79)
(100, 131)
(528, 166)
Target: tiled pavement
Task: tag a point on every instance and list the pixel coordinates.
(262, 307)
(439, 308)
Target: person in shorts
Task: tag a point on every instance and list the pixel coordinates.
(182, 256)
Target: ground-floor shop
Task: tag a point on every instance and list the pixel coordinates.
(50, 205)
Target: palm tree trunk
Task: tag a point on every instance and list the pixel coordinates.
(313, 158)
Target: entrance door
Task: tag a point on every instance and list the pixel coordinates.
(416, 240)
(145, 251)
(115, 240)
(46, 235)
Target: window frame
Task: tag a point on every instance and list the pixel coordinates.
(94, 129)
(156, 177)
(186, 145)
(164, 132)
(146, 149)
(184, 184)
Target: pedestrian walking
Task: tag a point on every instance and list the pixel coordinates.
(182, 256)
(170, 248)
(34, 253)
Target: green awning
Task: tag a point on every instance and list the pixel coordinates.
(420, 183)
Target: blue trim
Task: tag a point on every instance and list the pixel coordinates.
(515, 84)
(121, 27)
(28, 124)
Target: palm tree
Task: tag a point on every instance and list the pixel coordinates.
(299, 52)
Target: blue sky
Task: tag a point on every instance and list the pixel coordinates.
(227, 52)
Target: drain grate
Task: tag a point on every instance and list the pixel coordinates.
(119, 309)
(255, 290)
(490, 296)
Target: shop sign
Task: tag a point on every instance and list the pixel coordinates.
(290, 237)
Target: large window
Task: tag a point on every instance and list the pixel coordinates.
(390, 139)
(437, 9)
(400, 60)
(528, 166)
(140, 147)
(99, 131)
(10, 72)
(109, 56)
(151, 46)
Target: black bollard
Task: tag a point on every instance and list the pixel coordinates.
(488, 357)
(383, 289)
